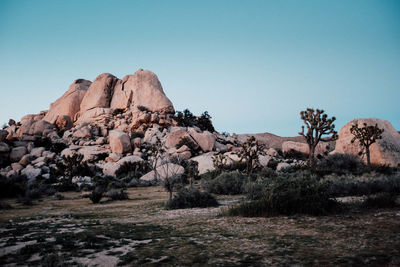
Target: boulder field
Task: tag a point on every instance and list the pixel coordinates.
(112, 122)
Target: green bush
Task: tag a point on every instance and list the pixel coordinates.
(381, 200)
(227, 183)
(5, 206)
(12, 187)
(117, 194)
(131, 170)
(96, 194)
(368, 184)
(339, 164)
(255, 190)
(192, 198)
(288, 195)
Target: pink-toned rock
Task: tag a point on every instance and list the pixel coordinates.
(205, 140)
(100, 93)
(41, 128)
(288, 146)
(175, 137)
(69, 103)
(119, 142)
(121, 98)
(385, 151)
(164, 171)
(143, 89)
(64, 122)
(82, 132)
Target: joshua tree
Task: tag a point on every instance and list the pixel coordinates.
(250, 152)
(318, 125)
(157, 152)
(366, 136)
(172, 178)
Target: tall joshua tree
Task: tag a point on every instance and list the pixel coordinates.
(318, 124)
(366, 135)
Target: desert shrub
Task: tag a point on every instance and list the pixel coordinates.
(339, 164)
(57, 147)
(273, 163)
(13, 186)
(5, 206)
(68, 168)
(137, 134)
(381, 200)
(136, 182)
(117, 194)
(204, 122)
(187, 119)
(227, 183)
(288, 195)
(293, 154)
(192, 198)
(143, 108)
(131, 170)
(368, 184)
(59, 196)
(266, 172)
(255, 190)
(210, 175)
(25, 200)
(42, 142)
(96, 194)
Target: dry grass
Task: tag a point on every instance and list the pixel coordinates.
(140, 231)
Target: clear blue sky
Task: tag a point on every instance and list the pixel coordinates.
(252, 64)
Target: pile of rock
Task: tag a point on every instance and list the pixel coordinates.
(112, 121)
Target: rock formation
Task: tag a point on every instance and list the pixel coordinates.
(117, 123)
(385, 151)
(69, 104)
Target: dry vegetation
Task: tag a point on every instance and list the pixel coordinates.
(141, 231)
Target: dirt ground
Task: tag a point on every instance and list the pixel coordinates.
(139, 231)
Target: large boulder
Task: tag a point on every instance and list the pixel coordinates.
(385, 151)
(205, 162)
(143, 89)
(100, 93)
(30, 172)
(112, 168)
(205, 140)
(69, 104)
(119, 142)
(175, 137)
(4, 148)
(32, 127)
(164, 171)
(152, 135)
(17, 153)
(302, 148)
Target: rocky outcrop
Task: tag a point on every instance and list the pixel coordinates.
(385, 151)
(120, 142)
(100, 93)
(205, 140)
(205, 162)
(164, 171)
(69, 104)
(141, 91)
(290, 146)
